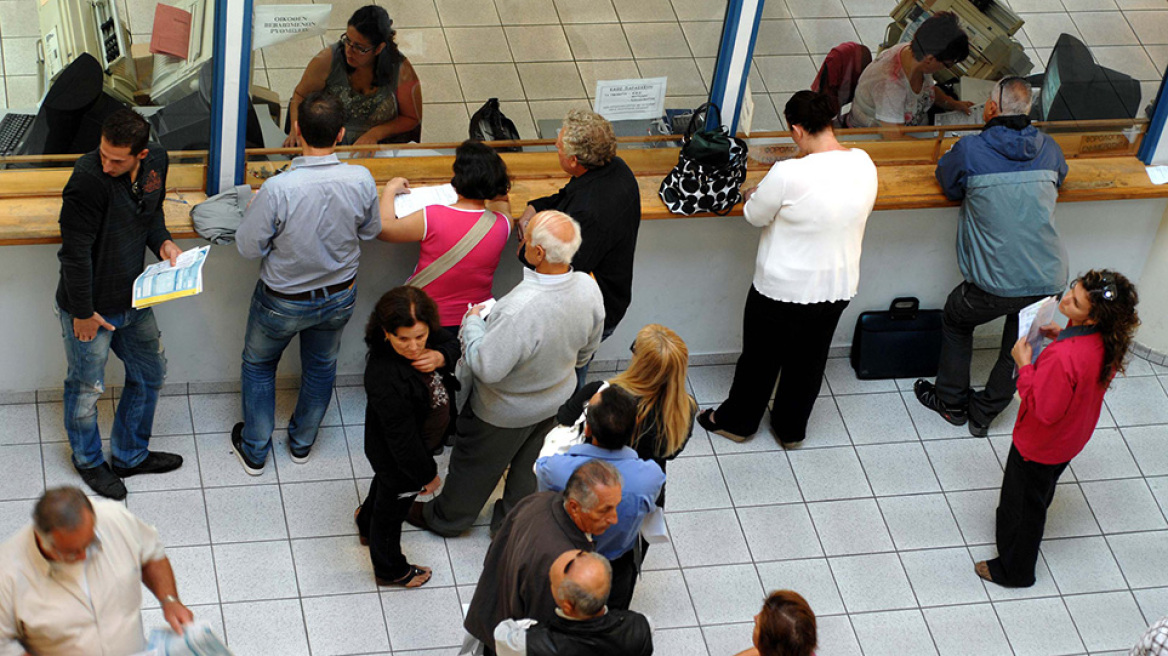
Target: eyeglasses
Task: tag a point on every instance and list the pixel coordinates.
(348, 43)
(574, 559)
(1108, 292)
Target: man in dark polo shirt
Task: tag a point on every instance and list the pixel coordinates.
(111, 211)
(604, 199)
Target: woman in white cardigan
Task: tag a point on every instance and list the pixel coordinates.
(812, 211)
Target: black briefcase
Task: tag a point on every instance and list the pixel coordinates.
(903, 342)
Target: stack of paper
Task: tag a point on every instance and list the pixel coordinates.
(161, 282)
(421, 197)
(1033, 317)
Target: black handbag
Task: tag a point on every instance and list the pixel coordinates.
(902, 342)
(489, 123)
(710, 170)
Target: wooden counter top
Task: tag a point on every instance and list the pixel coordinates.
(906, 181)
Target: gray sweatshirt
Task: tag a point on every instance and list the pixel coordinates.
(525, 354)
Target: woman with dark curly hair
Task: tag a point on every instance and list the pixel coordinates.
(375, 82)
(784, 627)
(1062, 395)
(406, 411)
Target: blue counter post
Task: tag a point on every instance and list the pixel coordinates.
(739, 31)
(1154, 148)
(232, 62)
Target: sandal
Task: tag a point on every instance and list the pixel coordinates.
(408, 581)
(364, 539)
(706, 421)
(983, 570)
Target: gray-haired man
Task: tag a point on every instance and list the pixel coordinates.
(514, 583)
(523, 357)
(71, 581)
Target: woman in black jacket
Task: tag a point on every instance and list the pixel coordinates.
(406, 411)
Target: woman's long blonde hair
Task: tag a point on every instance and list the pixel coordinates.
(656, 376)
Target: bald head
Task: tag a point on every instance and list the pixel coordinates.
(557, 233)
(580, 582)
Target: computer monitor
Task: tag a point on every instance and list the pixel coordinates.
(70, 117)
(185, 124)
(71, 28)
(1075, 88)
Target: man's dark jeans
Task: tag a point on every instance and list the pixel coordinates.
(969, 307)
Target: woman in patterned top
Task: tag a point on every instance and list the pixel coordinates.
(373, 80)
(406, 411)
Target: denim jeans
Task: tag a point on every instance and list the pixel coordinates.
(582, 372)
(271, 324)
(137, 342)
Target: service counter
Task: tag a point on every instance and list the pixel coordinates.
(692, 273)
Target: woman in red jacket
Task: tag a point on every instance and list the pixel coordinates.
(1062, 394)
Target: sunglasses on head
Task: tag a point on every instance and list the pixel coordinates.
(568, 567)
(1002, 86)
(1108, 291)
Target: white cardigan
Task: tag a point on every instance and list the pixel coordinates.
(812, 211)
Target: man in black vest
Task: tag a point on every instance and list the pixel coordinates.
(583, 624)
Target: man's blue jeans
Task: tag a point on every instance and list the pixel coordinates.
(271, 325)
(582, 372)
(137, 342)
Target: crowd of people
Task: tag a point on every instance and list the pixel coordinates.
(579, 510)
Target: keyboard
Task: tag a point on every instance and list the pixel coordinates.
(13, 127)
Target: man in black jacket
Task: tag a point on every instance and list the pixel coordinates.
(604, 199)
(583, 625)
(111, 210)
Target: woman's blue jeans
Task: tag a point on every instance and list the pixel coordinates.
(271, 324)
(138, 343)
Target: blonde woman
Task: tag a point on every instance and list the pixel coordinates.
(665, 418)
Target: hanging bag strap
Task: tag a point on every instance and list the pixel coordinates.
(450, 258)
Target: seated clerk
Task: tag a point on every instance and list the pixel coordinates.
(611, 419)
(583, 624)
(897, 87)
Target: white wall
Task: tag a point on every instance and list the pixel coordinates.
(691, 274)
(1153, 308)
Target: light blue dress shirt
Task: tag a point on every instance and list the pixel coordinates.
(306, 224)
(642, 484)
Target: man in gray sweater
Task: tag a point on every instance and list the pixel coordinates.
(523, 357)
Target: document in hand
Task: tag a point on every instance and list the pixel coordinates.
(197, 640)
(161, 282)
(420, 197)
(1034, 316)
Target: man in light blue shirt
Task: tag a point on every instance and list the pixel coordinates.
(305, 225)
(611, 420)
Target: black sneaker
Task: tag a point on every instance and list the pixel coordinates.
(252, 468)
(978, 429)
(927, 394)
(101, 479)
(156, 462)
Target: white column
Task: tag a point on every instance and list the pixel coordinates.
(730, 74)
(232, 81)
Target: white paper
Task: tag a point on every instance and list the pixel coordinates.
(653, 527)
(1158, 174)
(421, 197)
(958, 117)
(1033, 317)
(977, 91)
(623, 100)
(488, 305)
(161, 282)
(279, 23)
(197, 640)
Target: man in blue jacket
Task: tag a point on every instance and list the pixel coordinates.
(1008, 249)
(611, 420)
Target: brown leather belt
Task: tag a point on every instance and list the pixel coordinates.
(312, 293)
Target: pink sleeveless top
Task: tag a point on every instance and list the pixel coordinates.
(470, 280)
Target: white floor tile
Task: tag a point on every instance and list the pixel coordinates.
(711, 384)
(1148, 444)
(876, 418)
(696, 484)
(246, 514)
(466, 554)
(1069, 515)
(18, 424)
(21, 473)
(1124, 505)
(682, 642)
(779, 532)
(893, 633)
(180, 516)
(850, 527)
(265, 627)
(707, 537)
(1143, 557)
(1153, 602)
(725, 593)
(336, 565)
(920, 521)
(872, 582)
(836, 636)
(423, 618)
(255, 571)
(1039, 627)
(1137, 401)
(1043, 582)
(329, 459)
(728, 638)
(1106, 621)
(1104, 457)
(965, 464)
(968, 630)
(15, 515)
(811, 578)
(943, 577)
(219, 467)
(346, 624)
(664, 597)
(322, 508)
(831, 473)
(759, 479)
(898, 469)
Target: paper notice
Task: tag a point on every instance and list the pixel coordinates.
(172, 31)
(420, 197)
(279, 23)
(623, 100)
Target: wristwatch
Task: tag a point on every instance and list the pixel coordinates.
(170, 599)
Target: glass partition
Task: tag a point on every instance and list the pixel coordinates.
(67, 64)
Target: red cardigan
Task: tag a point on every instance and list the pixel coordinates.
(1061, 397)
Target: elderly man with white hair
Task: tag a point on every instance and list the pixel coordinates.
(1007, 178)
(523, 357)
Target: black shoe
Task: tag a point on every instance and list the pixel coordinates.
(252, 468)
(927, 394)
(101, 479)
(156, 462)
(978, 429)
(706, 421)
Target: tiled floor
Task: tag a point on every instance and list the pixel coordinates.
(877, 521)
(543, 57)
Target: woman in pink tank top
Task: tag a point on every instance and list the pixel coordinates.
(479, 176)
